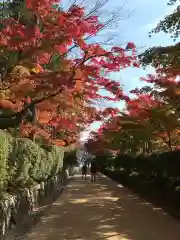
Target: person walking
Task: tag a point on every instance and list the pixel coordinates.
(93, 171)
(84, 171)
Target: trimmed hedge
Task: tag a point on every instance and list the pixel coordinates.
(24, 163)
(5, 151)
(157, 174)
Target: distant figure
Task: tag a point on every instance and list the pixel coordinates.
(93, 171)
(84, 170)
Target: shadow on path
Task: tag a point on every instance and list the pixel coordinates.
(103, 210)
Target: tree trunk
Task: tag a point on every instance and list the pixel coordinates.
(169, 141)
(149, 146)
(145, 148)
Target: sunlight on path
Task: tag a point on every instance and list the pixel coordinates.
(104, 210)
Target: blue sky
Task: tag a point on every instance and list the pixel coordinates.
(145, 16)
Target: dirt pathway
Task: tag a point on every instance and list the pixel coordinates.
(103, 210)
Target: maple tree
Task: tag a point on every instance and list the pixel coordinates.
(139, 146)
(149, 123)
(36, 38)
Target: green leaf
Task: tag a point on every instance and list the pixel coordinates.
(55, 62)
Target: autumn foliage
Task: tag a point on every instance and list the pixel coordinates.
(36, 44)
(150, 122)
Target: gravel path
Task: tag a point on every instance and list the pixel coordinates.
(102, 210)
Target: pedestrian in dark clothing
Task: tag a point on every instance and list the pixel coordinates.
(84, 170)
(93, 171)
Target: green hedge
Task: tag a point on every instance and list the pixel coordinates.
(5, 151)
(24, 163)
(157, 174)
(70, 158)
(155, 167)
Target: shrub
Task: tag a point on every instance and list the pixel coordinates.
(161, 171)
(58, 156)
(23, 162)
(29, 163)
(70, 159)
(5, 150)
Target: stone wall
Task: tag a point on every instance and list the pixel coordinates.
(15, 209)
